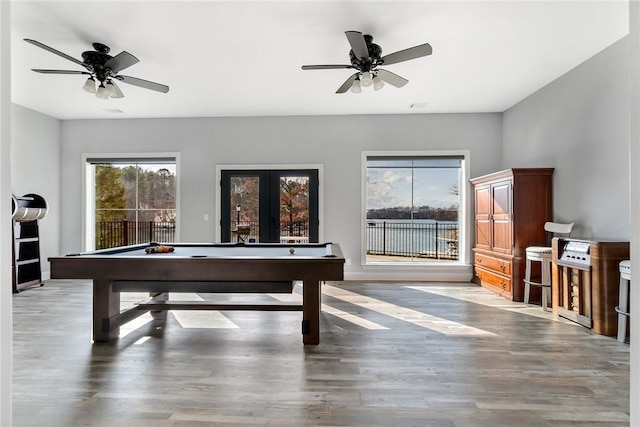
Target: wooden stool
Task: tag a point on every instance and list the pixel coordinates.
(541, 254)
(623, 299)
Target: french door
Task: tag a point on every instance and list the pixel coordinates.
(269, 206)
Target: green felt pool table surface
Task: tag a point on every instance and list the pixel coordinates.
(221, 250)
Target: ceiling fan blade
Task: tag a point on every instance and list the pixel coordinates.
(143, 83)
(57, 52)
(325, 67)
(392, 79)
(38, 70)
(358, 45)
(407, 54)
(347, 84)
(121, 61)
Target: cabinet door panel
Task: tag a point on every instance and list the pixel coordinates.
(501, 199)
(501, 214)
(502, 236)
(483, 201)
(483, 234)
(483, 216)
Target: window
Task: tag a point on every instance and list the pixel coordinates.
(132, 201)
(413, 208)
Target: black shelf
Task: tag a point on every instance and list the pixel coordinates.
(26, 255)
(25, 213)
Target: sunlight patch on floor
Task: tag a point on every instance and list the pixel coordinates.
(326, 308)
(134, 324)
(415, 317)
(203, 319)
(481, 296)
(187, 318)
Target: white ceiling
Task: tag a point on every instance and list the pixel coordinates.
(243, 58)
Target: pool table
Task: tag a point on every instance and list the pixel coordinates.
(202, 268)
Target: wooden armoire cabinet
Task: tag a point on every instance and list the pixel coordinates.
(511, 207)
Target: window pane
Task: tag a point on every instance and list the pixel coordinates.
(412, 209)
(156, 186)
(436, 188)
(389, 191)
(245, 196)
(135, 202)
(109, 193)
(294, 209)
(129, 178)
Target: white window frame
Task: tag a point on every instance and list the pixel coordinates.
(88, 190)
(465, 223)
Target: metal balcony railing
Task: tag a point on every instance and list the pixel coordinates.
(420, 239)
(110, 234)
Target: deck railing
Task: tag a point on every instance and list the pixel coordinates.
(110, 234)
(295, 228)
(384, 237)
(420, 239)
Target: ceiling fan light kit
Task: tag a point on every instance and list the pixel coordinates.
(356, 86)
(378, 83)
(113, 89)
(90, 85)
(361, 81)
(102, 69)
(365, 57)
(365, 79)
(103, 90)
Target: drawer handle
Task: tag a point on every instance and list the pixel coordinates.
(479, 260)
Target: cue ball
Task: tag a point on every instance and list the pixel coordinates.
(291, 250)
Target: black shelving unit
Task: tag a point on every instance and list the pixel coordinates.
(26, 211)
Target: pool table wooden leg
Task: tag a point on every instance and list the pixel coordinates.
(311, 312)
(106, 304)
(159, 296)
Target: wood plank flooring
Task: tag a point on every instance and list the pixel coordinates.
(390, 354)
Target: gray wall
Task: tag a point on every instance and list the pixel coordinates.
(579, 124)
(35, 168)
(333, 141)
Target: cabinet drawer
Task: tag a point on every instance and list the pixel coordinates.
(491, 278)
(489, 263)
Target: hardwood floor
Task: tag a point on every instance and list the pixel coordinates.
(390, 354)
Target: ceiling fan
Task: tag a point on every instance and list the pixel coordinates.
(365, 57)
(104, 68)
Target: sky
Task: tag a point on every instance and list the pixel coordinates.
(391, 187)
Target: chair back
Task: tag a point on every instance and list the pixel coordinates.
(554, 229)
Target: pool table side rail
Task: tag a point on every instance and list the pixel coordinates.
(113, 267)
